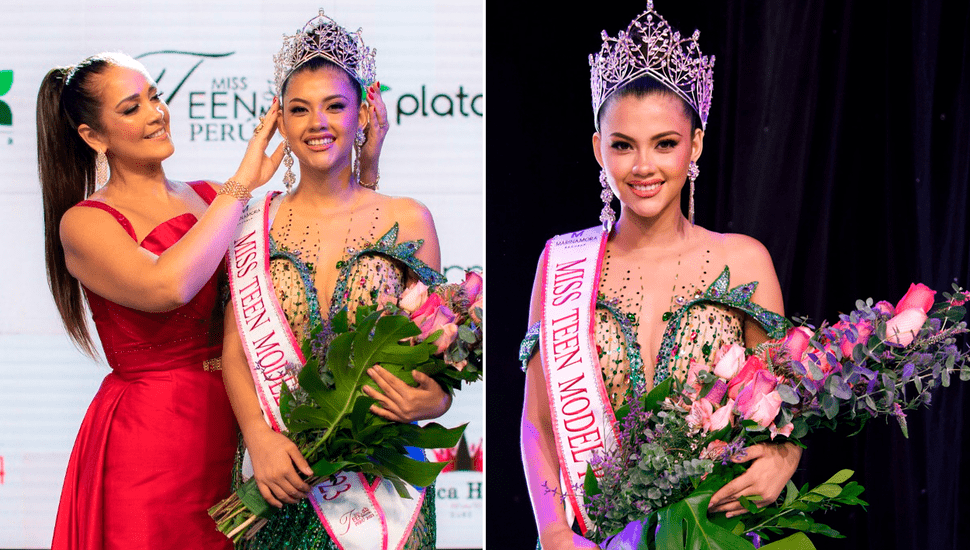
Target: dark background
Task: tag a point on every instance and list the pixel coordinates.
(839, 136)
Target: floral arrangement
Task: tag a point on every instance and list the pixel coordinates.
(436, 331)
(677, 444)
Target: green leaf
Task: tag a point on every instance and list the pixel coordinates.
(828, 489)
(657, 395)
(684, 525)
(840, 477)
(798, 541)
(431, 436)
(249, 495)
(791, 493)
(590, 485)
(415, 472)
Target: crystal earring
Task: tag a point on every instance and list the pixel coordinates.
(100, 170)
(607, 216)
(289, 178)
(692, 172)
(359, 140)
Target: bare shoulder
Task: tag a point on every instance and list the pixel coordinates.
(746, 257)
(413, 218)
(81, 222)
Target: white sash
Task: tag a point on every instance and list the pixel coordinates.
(358, 515)
(581, 413)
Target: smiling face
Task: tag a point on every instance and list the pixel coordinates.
(645, 144)
(134, 120)
(321, 115)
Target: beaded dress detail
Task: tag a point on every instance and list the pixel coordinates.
(701, 320)
(368, 269)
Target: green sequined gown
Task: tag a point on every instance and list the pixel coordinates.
(370, 268)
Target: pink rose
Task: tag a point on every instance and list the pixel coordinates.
(902, 328)
(730, 362)
(449, 332)
(413, 297)
(758, 400)
(919, 296)
(885, 308)
(473, 285)
(745, 375)
(784, 430)
(432, 315)
(796, 342)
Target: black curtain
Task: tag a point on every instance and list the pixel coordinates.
(839, 137)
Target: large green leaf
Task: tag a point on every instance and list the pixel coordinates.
(431, 436)
(415, 472)
(684, 525)
(798, 541)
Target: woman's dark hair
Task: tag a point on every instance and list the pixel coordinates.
(642, 87)
(315, 63)
(68, 97)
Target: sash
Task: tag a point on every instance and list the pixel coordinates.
(582, 416)
(358, 515)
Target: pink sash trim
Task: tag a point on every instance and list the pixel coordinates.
(583, 419)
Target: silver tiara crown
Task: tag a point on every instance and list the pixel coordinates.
(650, 46)
(323, 37)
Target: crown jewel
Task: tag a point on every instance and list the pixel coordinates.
(650, 46)
(323, 37)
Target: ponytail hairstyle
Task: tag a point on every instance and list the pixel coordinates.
(68, 97)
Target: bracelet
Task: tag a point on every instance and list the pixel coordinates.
(235, 190)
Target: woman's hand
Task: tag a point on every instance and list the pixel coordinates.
(275, 462)
(257, 167)
(773, 466)
(400, 402)
(377, 127)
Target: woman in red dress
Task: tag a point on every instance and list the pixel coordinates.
(156, 447)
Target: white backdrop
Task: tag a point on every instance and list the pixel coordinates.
(213, 64)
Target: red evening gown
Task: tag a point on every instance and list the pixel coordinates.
(156, 447)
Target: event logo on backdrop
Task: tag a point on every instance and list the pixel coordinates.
(6, 115)
(461, 104)
(227, 108)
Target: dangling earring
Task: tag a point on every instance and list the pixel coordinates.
(359, 141)
(289, 178)
(692, 172)
(100, 170)
(607, 217)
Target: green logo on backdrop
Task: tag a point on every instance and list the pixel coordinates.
(6, 81)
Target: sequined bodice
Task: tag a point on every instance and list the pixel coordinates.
(708, 326)
(701, 321)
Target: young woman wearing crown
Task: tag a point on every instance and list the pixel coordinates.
(619, 307)
(155, 449)
(330, 246)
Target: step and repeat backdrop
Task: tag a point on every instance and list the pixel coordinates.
(213, 64)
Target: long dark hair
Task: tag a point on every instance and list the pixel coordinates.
(68, 97)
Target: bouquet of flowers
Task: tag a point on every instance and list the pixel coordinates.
(436, 331)
(677, 444)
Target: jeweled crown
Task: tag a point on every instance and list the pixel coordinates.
(650, 46)
(323, 37)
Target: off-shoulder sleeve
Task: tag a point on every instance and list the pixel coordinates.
(528, 346)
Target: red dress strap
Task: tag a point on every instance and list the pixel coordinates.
(118, 215)
(204, 190)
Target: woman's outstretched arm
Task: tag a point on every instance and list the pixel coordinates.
(105, 259)
(539, 456)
